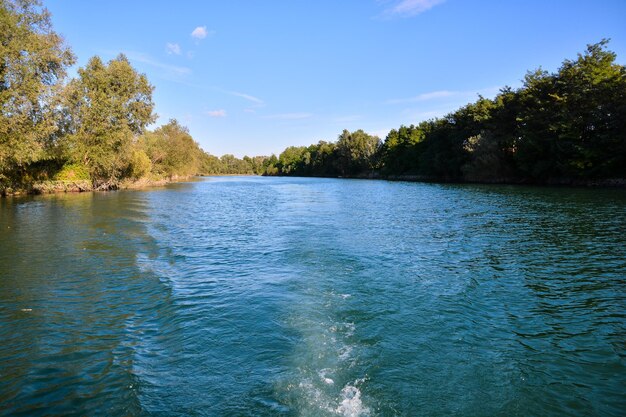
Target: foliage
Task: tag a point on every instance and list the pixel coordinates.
(106, 107)
(356, 152)
(139, 165)
(171, 150)
(33, 62)
(573, 122)
(564, 126)
(569, 125)
(352, 154)
(92, 129)
(73, 172)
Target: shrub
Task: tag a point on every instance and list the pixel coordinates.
(73, 172)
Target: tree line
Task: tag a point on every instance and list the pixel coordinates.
(90, 131)
(568, 126)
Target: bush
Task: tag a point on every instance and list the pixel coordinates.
(139, 165)
(73, 172)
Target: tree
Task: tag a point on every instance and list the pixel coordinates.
(399, 152)
(256, 163)
(107, 107)
(323, 158)
(33, 62)
(591, 94)
(573, 122)
(356, 152)
(172, 151)
(270, 166)
(293, 160)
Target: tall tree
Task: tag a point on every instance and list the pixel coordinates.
(33, 62)
(573, 122)
(107, 107)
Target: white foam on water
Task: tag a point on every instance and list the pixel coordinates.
(316, 397)
(323, 374)
(348, 404)
(324, 361)
(345, 352)
(351, 404)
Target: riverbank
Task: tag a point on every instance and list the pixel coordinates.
(564, 182)
(79, 186)
(551, 182)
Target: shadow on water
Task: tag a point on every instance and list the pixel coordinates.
(76, 308)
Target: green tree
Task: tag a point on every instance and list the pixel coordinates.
(591, 98)
(33, 62)
(233, 165)
(270, 165)
(293, 160)
(256, 163)
(573, 122)
(399, 152)
(323, 158)
(107, 107)
(172, 151)
(356, 152)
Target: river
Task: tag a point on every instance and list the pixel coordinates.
(251, 296)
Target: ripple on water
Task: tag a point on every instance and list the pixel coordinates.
(314, 297)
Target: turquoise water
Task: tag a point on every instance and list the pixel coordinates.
(246, 296)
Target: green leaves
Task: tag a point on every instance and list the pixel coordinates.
(569, 125)
(563, 126)
(106, 108)
(357, 152)
(572, 121)
(33, 60)
(93, 128)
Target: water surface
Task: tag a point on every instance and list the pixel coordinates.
(245, 296)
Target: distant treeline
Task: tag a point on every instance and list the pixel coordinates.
(91, 131)
(567, 127)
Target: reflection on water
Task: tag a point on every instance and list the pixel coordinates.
(74, 305)
(275, 296)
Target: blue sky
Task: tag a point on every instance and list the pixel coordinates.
(253, 77)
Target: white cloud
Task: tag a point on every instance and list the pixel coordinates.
(217, 113)
(248, 97)
(433, 95)
(446, 94)
(172, 48)
(146, 59)
(289, 116)
(409, 8)
(201, 32)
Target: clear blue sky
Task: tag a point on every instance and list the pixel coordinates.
(253, 77)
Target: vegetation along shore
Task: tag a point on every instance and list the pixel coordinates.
(92, 132)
